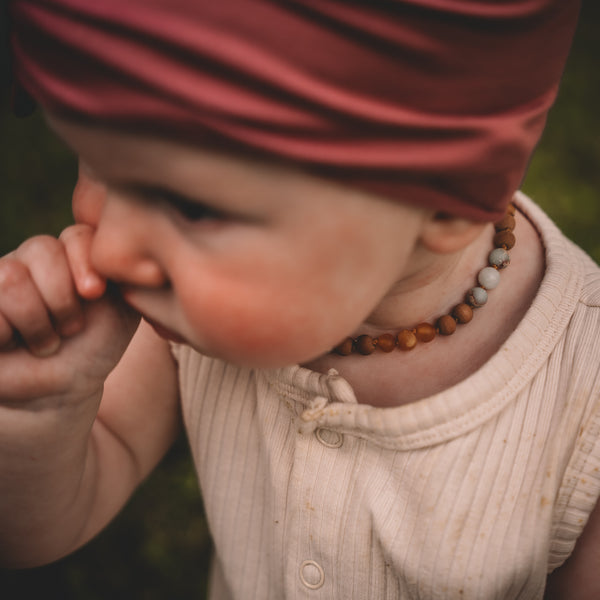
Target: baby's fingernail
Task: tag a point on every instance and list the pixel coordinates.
(47, 348)
(71, 326)
(92, 285)
(91, 280)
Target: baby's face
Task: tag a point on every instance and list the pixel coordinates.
(243, 260)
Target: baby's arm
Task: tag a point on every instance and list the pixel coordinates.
(579, 577)
(77, 434)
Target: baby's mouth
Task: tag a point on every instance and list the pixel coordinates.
(164, 332)
(128, 295)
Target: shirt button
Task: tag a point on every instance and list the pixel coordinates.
(312, 574)
(329, 438)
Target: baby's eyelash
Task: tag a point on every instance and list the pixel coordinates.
(192, 210)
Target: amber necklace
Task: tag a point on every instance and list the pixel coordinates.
(488, 278)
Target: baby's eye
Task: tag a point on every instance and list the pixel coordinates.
(189, 209)
(193, 211)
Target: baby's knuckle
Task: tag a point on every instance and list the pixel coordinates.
(44, 246)
(73, 233)
(13, 274)
(38, 241)
(50, 246)
(68, 233)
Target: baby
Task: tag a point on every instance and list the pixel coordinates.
(297, 234)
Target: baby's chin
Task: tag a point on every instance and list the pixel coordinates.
(262, 356)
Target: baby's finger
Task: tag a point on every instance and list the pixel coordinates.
(24, 309)
(7, 338)
(77, 241)
(49, 268)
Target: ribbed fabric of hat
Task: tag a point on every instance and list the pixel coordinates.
(433, 102)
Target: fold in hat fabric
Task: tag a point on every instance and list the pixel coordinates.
(437, 103)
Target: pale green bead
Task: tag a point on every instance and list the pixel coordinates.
(499, 257)
(477, 297)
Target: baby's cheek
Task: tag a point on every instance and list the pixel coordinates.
(260, 329)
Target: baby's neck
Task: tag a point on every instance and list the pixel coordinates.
(431, 289)
(401, 377)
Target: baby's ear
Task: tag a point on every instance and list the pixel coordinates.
(445, 234)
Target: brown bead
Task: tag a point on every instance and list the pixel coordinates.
(344, 348)
(510, 209)
(425, 332)
(446, 325)
(463, 313)
(365, 344)
(407, 340)
(386, 342)
(507, 222)
(504, 239)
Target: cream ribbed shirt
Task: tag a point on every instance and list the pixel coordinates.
(476, 492)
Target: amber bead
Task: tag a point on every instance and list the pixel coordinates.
(463, 313)
(407, 340)
(510, 209)
(446, 325)
(365, 344)
(344, 348)
(386, 342)
(425, 332)
(507, 222)
(504, 239)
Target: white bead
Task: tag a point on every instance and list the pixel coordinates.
(488, 278)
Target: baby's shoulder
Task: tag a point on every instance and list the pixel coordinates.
(590, 292)
(590, 289)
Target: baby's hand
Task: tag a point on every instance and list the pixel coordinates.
(61, 330)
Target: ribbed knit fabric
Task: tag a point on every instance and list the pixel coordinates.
(473, 493)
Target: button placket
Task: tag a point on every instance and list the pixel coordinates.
(312, 427)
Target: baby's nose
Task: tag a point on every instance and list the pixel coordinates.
(124, 249)
(124, 264)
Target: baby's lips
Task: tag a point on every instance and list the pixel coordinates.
(165, 333)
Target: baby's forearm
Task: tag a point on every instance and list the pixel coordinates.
(48, 478)
(68, 464)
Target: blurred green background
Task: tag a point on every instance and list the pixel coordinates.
(158, 547)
